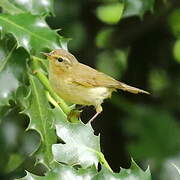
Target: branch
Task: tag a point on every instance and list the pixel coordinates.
(66, 109)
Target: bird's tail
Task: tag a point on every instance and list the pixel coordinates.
(131, 89)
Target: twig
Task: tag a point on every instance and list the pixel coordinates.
(66, 109)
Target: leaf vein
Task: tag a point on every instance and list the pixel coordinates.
(20, 27)
(39, 109)
(7, 58)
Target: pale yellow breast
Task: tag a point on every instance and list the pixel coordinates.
(78, 94)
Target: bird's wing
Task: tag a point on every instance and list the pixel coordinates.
(89, 77)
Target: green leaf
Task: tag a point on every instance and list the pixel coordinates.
(41, 120)
(137, 7)
(110, 13)
(64, 173)
(170, 169)
(12, 70)
(11, 139)
(177, 168)
(9, 7)
(33, 6)
(81, 146)
(176, 51)
(134, 173)
(30, 31)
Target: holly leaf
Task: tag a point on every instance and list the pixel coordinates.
(81, 146)
(12, 70)
(137, 7)
(12, 139)
(64, 173)
(134, 173)
(177, 168)
(30, 31)
(41, 120)
(33, 6)
(8, 7)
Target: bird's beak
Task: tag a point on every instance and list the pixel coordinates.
(46, 54)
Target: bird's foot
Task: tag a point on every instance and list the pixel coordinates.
(74, 115)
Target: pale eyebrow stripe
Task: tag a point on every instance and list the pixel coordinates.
(66, 59)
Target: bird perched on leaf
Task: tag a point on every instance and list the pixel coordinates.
(80, 84)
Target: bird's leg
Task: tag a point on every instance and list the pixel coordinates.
(75, 112)
(98, 111)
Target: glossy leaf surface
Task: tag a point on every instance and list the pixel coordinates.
(134, 173)
(81, 145)
(137, 7)
(33, 6)
(30, 31)
(64, 173)
(12, 70)
(41, 120)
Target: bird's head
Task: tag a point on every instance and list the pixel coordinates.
(62, 59)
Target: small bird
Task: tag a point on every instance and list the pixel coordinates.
(80, 84)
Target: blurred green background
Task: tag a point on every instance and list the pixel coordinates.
(142, 51)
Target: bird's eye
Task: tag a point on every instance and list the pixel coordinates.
(60, 59)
